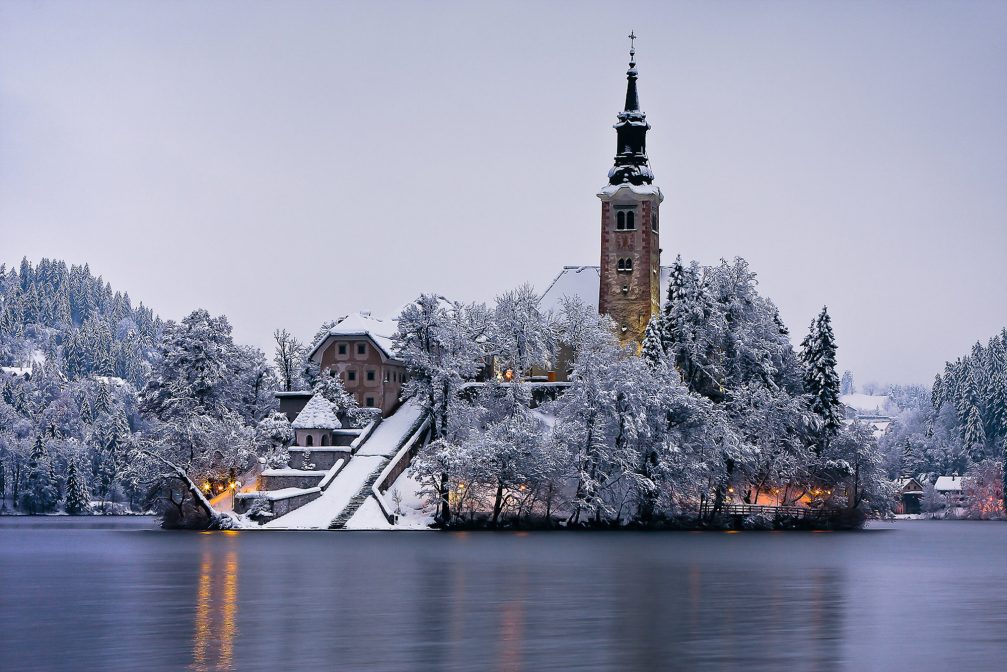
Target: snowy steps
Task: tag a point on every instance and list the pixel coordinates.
(358, 499)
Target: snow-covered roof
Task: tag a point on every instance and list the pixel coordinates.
(638, 189)
(909, 485)
(584, 282)
(948, 484)
(317, 414)
(363, 324)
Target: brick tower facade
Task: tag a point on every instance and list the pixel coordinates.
(630, 289)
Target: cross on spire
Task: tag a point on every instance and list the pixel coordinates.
(632, 45)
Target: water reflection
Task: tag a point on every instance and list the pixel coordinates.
(215, 620)
(393, 602)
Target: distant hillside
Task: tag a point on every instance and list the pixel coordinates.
(64, 317)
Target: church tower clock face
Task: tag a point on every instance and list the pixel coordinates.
(630, 270)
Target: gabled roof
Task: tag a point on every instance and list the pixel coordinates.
(317, 414)
(362, 324)
(910, 486)
(584, 282)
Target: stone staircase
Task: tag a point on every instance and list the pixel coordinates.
(358, 499)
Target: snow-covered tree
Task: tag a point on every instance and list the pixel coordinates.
(440, 343)
(818, 356)
(846, 384)
(77, 500)
(287, 359)
(520, 333)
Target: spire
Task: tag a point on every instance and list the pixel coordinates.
(631, 163)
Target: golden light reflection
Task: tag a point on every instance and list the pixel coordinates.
(215, 623)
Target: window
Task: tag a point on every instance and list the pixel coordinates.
(309, 441)
(361, 348)
(351, 375)
(369, 403)
(653, 222)
(620, 221)
(629, 265)
(370, 375)
(630, 220)
(342, 348)
(325, 439)
(624, 266)
(388, 377)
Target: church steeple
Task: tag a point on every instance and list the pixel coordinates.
(630, 270)
(631, 163)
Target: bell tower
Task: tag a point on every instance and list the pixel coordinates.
(630, 288)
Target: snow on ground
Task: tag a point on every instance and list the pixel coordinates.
(372, 456)
(319, 513)
(868, 403)
(388, 436)
(415, 513)
(369, 517)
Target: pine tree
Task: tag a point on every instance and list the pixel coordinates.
(40, 494)
(652, 350)
(77, 500)
(975, 435)
(672, 305)
(818, 357)
(102, 401)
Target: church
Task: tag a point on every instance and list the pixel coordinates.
(629, 283)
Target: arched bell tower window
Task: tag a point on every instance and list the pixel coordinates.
(630, 220)
(620, 221)
(624, 266)
(309, 441)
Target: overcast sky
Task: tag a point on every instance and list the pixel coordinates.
(287, 163)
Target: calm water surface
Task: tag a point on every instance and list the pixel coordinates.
(92, 594)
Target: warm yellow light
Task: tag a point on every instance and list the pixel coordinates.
(508, 375)
(231, 485)
(730, 489)
(521, 487)
(206, 486)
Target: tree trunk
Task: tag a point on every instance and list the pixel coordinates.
(444, 517)
(217, 520)
(498, 503)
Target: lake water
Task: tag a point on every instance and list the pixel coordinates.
(118, 594)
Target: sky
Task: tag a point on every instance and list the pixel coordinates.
(288, 163)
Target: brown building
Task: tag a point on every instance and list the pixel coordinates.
(359, 350)
(630, 287)
(630, 283)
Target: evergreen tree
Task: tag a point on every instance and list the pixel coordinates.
(77, 500)
(818, 357)
(975, 435)
(40, 495)
(652, 349)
